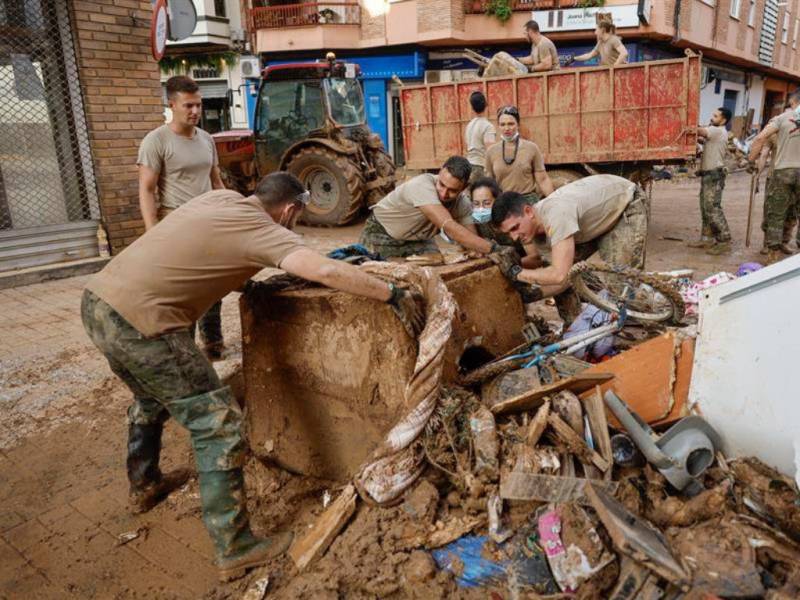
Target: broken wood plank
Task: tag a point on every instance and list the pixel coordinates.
(519, 485)
(533, 398)
(631, 579)
(636, 538)
(570, 409)
(453, 530)
(538, 425)
(596, 411)
(575, 444)
(316, 541)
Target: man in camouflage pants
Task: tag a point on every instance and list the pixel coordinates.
(715, 234)
(783, 195)
(601, 213)
(139, 312)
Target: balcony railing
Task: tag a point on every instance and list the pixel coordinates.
(306, 14)
(476, 7)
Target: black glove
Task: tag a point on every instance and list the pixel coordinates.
(508, 260)
(408, 308)
(569, 60)
(528, 292)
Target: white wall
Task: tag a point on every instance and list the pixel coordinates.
(752, 97)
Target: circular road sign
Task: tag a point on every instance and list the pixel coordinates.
(158, 29)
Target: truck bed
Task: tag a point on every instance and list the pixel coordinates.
(640, 112)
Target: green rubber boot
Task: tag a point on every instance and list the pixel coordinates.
(225, 516)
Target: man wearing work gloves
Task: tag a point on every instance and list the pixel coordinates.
(407, 219)
(600, 213)
(139, 310)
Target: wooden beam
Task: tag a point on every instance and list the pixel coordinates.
(596, 411)
(533, 398)
(575, 443)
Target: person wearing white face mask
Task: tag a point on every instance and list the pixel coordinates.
(516, 163)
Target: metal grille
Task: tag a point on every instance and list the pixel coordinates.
(46, 175)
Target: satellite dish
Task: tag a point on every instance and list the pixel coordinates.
(182, 19)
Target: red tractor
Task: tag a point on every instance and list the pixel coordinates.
(310, 121)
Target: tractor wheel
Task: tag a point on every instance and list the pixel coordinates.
(335, 183)
(243, 185)
(561, 177)
(384, 167)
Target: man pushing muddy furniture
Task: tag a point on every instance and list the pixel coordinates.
(544, 56)
(139, 311)
(408, 219)
(600, 213)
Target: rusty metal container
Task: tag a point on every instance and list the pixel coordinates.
(325, 371)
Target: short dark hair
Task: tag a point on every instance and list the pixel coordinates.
(725, 112)
(486, 182)
(795, 96)
(508, 204)
(532, 26)
(458, 167)
(278, 188)
(607, 26)
(181, 84)
(508, 110)
(477, 101)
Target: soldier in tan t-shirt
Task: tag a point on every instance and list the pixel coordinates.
(784, 192)
(609, 47)
(515, 163)
(544, 56)
(599, 213)
(715, 235)
(178, 162)
(478, 135)
(139, 309)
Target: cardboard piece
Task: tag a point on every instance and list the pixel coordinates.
(652, 377)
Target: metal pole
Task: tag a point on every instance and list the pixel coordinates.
(753, 180)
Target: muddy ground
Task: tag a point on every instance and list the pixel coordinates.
(62, 447)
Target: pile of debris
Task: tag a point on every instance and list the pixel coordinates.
(556, 478)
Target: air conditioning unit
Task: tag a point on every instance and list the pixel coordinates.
(250, 66)
(442, 76)
(465, 75)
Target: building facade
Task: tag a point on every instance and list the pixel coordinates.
(749, 47)
(78, 91)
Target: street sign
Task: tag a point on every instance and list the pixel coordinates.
(158, 29)
(182, 19)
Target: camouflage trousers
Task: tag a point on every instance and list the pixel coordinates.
(622, 246)
(782, 202)
(376, 239)
(169, 377)
(714, 223)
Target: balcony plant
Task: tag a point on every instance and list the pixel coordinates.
(500, 9)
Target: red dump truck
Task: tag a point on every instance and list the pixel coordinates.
(620, 120)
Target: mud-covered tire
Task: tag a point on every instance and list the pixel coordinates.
(673, 309)
(335, 183)
(384, 167)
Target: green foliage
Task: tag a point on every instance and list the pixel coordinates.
(500, 9)
(187, 62)
(591, 3)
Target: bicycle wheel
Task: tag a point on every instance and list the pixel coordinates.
(646, 297)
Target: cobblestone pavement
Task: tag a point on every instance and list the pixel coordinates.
(62, 434)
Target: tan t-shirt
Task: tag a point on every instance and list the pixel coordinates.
(183, 164)
(400, 215)
(586, 208)
(608, 50)
(519, 175)
(715, 148)
(542, 49)
(476, 130)
(171, 275)
(787, 151)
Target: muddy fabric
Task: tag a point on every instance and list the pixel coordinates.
(519, 175)
(608, 50)
(169, 376)
(169, 277)
(712, 183)
(399, 460)
(783, 198)
(586, 208)
(183, 164)
(399, 212)
(474, 133)
(715, 148)
(542, 49)
(787, 149)
(375, 238)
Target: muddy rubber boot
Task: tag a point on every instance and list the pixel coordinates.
(225, 517)
(787, 249)
(719, 248)
(764, 250)
(703, 242)
(774, 255)
(148, 486)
